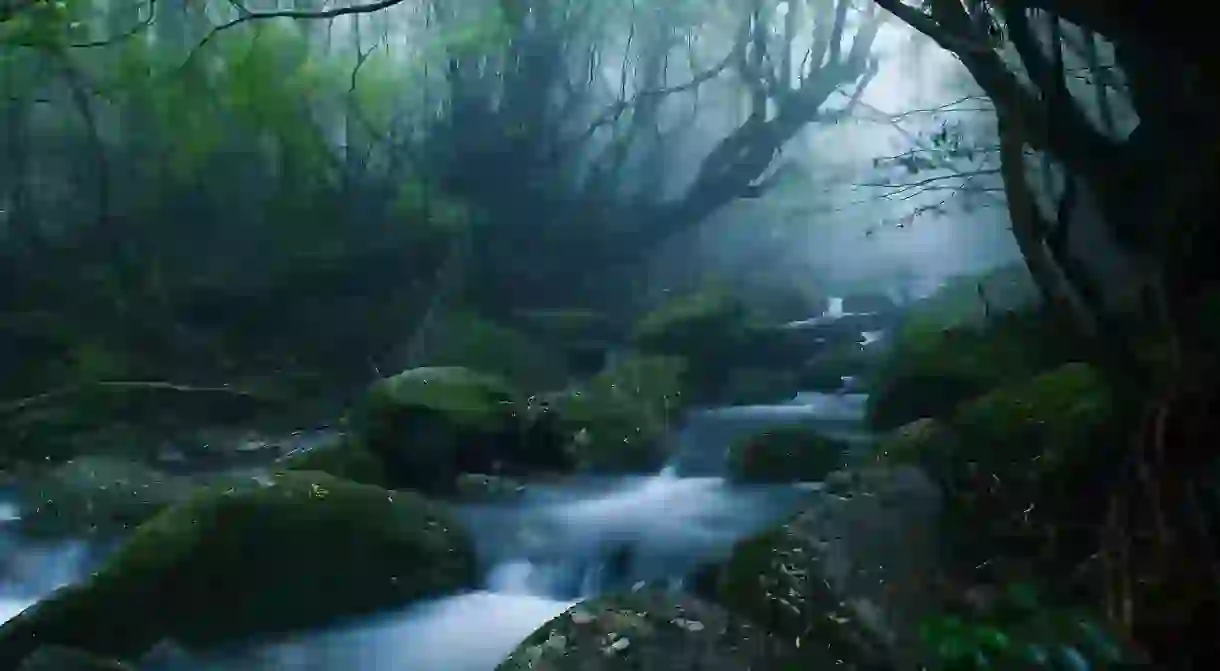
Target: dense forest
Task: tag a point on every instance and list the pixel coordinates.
(708, 334)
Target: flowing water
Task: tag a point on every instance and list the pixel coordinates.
(555, 546)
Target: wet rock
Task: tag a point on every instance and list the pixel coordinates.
(275, 554)
(934, 370)
(616, 421)
(850, 575)
(97, 494)
(650, 630)
(427, 425)
(786, 454)
(59, 658)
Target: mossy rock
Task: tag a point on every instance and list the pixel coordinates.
(1026, 468)
(825, 371)
(97, 495)
(59, 658)
(927, 443)
(708, 329)
(785, 454)
(650, 630)
(1048, 419)
(268, 556)
(616, 421)
(427, 425)
(342, 456)
(930, 371)
(776, 579)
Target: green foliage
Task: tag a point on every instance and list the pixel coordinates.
(45, 24)
(787, 454)
(930, 371)
(1020, 631)
(1021, 470)
(465, 339)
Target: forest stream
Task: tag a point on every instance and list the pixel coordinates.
(556, 546)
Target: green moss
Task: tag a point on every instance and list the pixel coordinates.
(706, 329)
(652, 630)
(825, 372)
(787, 454)
(776, 580)
(1024, 473)
(426, 425)
(931, 371)
(267, 556)
(927, 443)
(343, 457)
(615, 421)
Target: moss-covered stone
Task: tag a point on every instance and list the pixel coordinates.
(706, 328)
(785, 454)
(342, 456)
(650, 630)
(1024, 470)
(266, 556)
(427, 425)
(97, 494)
(849, 574)
(931, 371)
(927, 443)
(776, 579)
(615, 422)
(59, 658)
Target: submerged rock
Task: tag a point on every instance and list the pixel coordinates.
(650, 630)
(272, 555)
(59, 658)
(785, 454)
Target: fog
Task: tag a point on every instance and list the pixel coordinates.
(829, 228)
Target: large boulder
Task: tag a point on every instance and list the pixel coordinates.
(266, 556)
(1024, 470)
(708, 329)
(930, 371)
(616, 422)
(96, 495)
(850, 574)
(427, 425)
(785, 454)
(650, 630)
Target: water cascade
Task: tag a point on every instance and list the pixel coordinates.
(556, 545)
